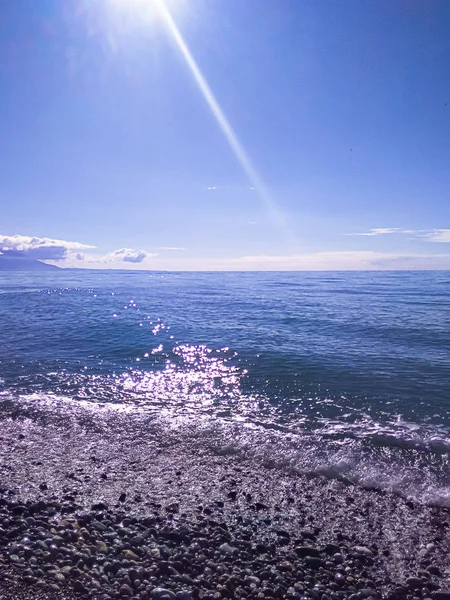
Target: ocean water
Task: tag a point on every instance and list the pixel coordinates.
(342, 374)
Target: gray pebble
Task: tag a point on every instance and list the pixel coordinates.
(163, 594)
(363, 551)
(227, 549)
(126, 591)
(98, 525)
(184, 595)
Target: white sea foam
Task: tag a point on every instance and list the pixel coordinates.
(408, 459)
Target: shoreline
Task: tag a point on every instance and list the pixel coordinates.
(86, 467)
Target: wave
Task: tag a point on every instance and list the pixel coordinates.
(365, 454)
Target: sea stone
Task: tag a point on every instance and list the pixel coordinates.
(98, 526)
(101, 547)
(125, 590)
(331, 549)
(308, 534)
(227, 549)
(414, 582)
(363, 551)
(79, 587)
(137, 540)
(313, 562)
(163, 594)
(303, 551)
(441, 595)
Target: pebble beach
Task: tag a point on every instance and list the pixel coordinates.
(96, 505)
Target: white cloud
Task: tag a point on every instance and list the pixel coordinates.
(438, 235)
(68, 254)
(345, 260)
(171, 248)
(21, 246)
(126, 255)
(424, 235)
(380, 231)
(317, 261)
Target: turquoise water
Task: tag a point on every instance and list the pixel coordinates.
(346, 374)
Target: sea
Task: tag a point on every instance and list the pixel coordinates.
(344, 375)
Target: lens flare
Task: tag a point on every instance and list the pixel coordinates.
(238, 149)
(152, 10)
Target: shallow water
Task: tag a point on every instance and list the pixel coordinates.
(346, 374)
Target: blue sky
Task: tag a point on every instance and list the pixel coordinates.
(110, 155)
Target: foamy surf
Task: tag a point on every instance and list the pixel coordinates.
(365, 454)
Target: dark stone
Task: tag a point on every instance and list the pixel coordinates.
(37, 507)
(414, 582)
(79, 587)
(126, 591)
(282, 533)
(441, 595)
(98, 526)
(99, 506)
(304, 551)
(400, 593)
(331, 549)
(313, 562)
(18, 510)
(308, 534)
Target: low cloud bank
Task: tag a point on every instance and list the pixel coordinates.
(23, 246)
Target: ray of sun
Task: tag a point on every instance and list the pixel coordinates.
(238, 149)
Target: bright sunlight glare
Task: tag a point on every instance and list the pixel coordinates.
(147, 10)
(138, 9)
(159, 9)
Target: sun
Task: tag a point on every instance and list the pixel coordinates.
(139, 7)
(137, 10)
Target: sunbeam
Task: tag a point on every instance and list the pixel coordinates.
(239, 151)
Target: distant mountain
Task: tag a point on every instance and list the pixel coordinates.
(24, 264)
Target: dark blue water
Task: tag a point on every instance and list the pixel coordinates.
(347, 374)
